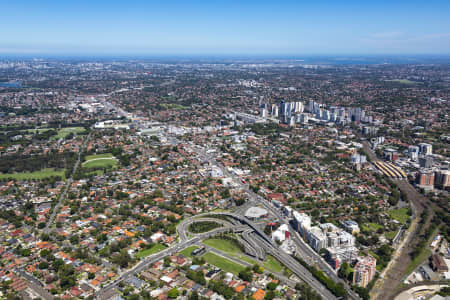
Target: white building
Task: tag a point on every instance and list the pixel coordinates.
(425, 149)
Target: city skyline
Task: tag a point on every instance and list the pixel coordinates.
(232, 28)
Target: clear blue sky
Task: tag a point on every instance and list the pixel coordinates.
(224, 27)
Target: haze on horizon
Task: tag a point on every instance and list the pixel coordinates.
(219, 28)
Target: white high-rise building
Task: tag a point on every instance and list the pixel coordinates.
(264, 113)
(413, 152)
(425, 149)
(292, 121)
(311, 106)
(304, 118)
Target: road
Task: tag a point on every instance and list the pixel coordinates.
(34, 284)
(62, 196)
(183, 227)
(260, 237)
(149, 260)
(304, 250)
(270, 247)
(280, 276)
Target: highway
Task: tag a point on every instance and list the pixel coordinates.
(149, 260)
(270, 247)
(304, 250)
(257, 238)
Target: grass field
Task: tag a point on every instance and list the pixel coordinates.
(187, 252)
(231, 249)
(96, 156)
(247, 259)
(44, 173)
(403, 81)
(223, 263)
(100, 161)
(63, 132)
(424, 254)
(154, 249)
(370, 227)
(400, 214)
(417, 261)
(223, 245)
(36, 130)
(390, 235)
(271, 263)
(375, 226)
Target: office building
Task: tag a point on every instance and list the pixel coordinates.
(413, 152)
(425, 179)
(426, 161)
(442, 179)
(264, 113)
(311, 106)
(425, 149)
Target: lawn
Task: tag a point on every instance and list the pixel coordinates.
(187, 252)
(424, 254)
(100, 163)
(226, 246)
(63, 132)
(271, 263)
(371, 227)
(154, 249)
(403, 81)
(375, 226)
(36, 130)
(44, 173)
(400, 214)
(390, 234)
(223, 263)
(173, 106)
(104, 160)
(96, 156)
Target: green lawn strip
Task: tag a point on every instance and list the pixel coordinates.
(154, 249)
(271, 263)
(403, 81)
(63, 132)
(226, 246)
(424, 254)
(375, 226)
(95, 156)
(44, 173)
(400, 214)
(100, 163)
(36, 130)
(390, 234)
(223, 263)
(365, 228)
(187, 252)
(247, 259)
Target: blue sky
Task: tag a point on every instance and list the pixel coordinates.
(224, 27)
